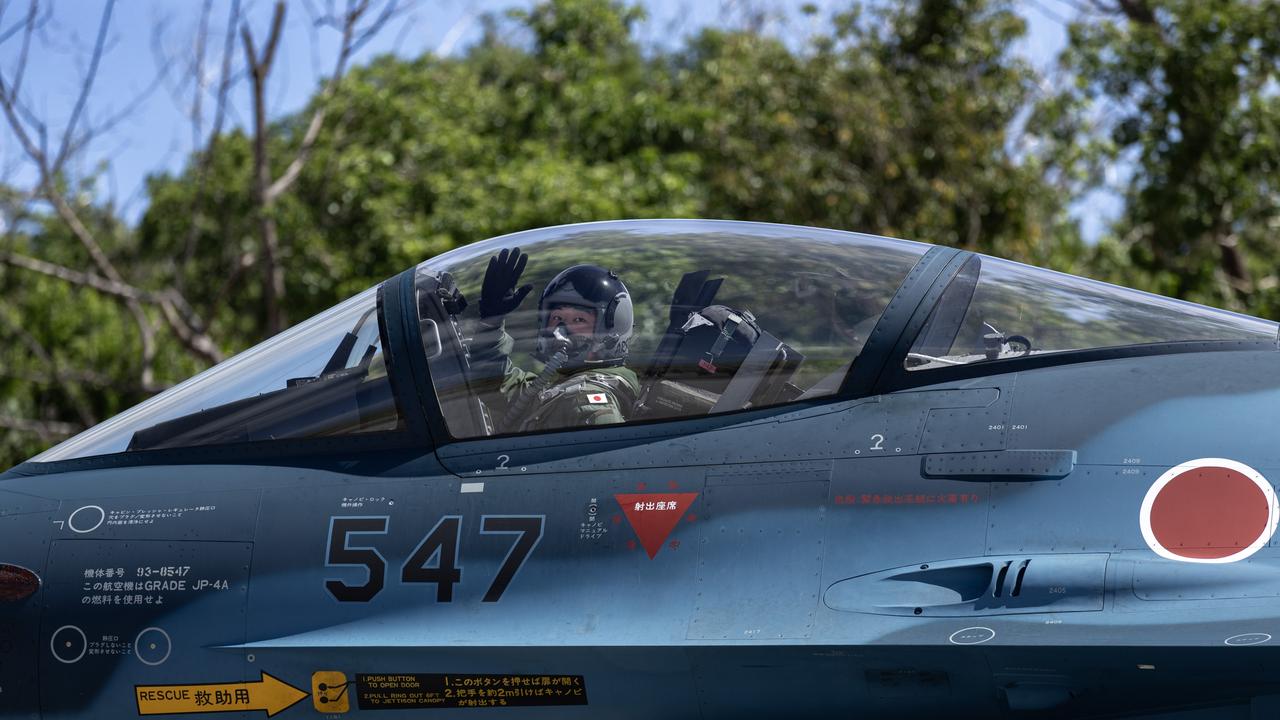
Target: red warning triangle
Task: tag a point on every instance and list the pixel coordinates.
(654, 515)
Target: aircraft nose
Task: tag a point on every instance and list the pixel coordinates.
(17, 583)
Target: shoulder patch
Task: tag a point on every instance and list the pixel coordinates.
(597, 398)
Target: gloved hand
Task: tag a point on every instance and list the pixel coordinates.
(499, 295)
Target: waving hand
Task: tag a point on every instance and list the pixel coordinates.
(499, 294)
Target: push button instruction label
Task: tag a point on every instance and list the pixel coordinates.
(438, 690)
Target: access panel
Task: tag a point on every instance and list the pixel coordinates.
(760, 554)
(126, 615)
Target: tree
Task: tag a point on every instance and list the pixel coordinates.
(94, 321)
(1185, 92)
(897, 121)
(884, 126)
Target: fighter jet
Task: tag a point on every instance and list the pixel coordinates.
(674, 469)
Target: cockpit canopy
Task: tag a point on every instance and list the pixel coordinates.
(727, 316)
(795, 307)
(322, 378)
(996, 309)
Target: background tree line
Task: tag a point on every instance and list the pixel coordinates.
(913, 119)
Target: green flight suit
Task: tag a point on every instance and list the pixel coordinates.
(573, 398)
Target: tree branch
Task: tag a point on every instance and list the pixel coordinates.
(202, 39)
(114, 288)
(352, 40)
(259, 69)
(206, 155)
(267, 191)
(178, 315)
(173, 308)
(28, 27)
(94, 59)
(109, 281)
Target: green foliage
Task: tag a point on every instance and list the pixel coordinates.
(895, 125)
(70, 356)
(1187, 91)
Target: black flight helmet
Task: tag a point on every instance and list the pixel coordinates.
(598, 289)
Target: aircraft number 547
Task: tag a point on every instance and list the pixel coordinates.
(435, 560)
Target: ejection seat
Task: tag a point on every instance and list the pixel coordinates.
(714, 358)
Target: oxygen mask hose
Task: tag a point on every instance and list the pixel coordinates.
(559, 357)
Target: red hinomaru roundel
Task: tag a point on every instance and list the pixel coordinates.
(1209, 510)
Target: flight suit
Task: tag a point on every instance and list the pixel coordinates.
(571, 398)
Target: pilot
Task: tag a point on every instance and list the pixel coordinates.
(585, 319)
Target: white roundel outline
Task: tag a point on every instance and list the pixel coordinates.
(168, 646)
(1255, 639)
(71, 519)
(991, 636)
(1273, 509)
(53, 644)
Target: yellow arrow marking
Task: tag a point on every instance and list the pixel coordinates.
(270, 694)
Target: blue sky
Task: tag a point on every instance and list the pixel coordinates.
(149, 34)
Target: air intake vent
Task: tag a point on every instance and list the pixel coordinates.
(977, 586)
(1022, 572)
(1004, 572)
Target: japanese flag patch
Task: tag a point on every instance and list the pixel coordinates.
(597, 398)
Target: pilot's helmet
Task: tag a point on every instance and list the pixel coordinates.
(600, 290)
